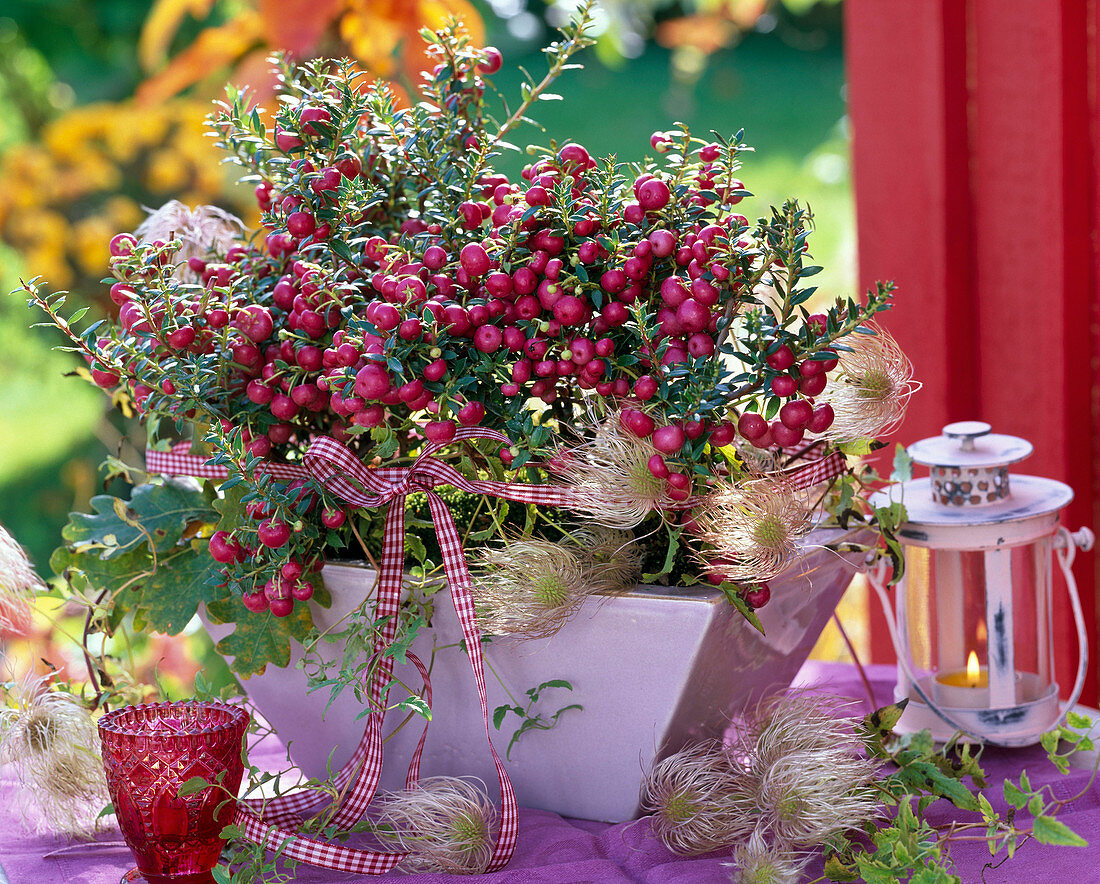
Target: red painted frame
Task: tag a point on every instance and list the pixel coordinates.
(975, 157)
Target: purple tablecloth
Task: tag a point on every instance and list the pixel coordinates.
(552, 849)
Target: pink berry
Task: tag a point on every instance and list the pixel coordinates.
(795, 415)
(636, 422)
(781, 359)
(333, 517)
(440, 432)
(658, 467)
(222, 548)
(784, 436)
(256, 602)
(751, 426)
(669, 439)
(784, 386)
(474, 259)
(302, 590)
(273, 533)
(645, 388)
(759, 595)
(471, 414)
(822, 418)
(282, 607)
(814, 385)
(491, 60)
(654, 195)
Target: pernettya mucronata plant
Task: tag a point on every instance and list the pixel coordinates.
(637, 339)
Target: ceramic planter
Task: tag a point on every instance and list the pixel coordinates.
(653, 669)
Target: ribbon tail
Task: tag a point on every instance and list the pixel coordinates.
(458, 579)
(369, 755)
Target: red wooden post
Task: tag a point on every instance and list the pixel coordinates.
(975, 157)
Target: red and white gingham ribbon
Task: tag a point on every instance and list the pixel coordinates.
(817, 469)
(341, 472)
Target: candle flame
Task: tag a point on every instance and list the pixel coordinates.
(973, 670)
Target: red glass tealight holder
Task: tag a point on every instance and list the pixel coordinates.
(149, 751)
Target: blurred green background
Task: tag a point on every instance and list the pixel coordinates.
(79, 156)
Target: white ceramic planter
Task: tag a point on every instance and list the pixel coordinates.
(654, 669)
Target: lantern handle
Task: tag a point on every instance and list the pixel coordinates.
(876, 576)
(1066, 544)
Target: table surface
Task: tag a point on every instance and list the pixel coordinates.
(552, 849)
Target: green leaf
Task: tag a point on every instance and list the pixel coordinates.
(1048, 830)
(417, 705)
(193, 785)
(155, 514)
(259, 639)
(499, 714)
(166, 601)
(903, 465)
(747, 611)
(835, 870)
(1013, 795)
(1078, 721)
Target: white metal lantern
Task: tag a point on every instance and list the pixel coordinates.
(973, 630)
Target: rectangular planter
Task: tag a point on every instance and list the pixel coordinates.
(653, 669)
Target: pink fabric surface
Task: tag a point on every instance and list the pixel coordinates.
(551, 849)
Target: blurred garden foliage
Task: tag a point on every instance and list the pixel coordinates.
(104, 100)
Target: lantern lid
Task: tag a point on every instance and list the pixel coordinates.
(1032, 497)
(970, 444)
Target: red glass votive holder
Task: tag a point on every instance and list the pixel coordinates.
(149, 751)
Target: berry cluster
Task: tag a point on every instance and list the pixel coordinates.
(402, 288)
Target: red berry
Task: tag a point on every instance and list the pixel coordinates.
(781, 359)
(796, 414)
(653, 195)
(784, 436)
(645, 388)
(302, 590)
(491, 60)
(301, 224)
(669, 439)
(474, 259)
(636, 422)
(332, 517)
(813, 386)
(256, 602)
(222, 548)
(471, 414)
(440, 432)
(273, 533)
(784, 386)
(281, 607)
(759, 595)
(751, 426)
(822, 418)
(658, 467)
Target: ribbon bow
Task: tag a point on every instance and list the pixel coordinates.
(346, 477)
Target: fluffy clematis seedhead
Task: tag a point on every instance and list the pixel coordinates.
(18, 583)
(201, 231)
(761, 861)
(528, 588)
(445, 824)
(695, 797)
(870, 388)
(754, 527)
(51, 742)
(610, 478)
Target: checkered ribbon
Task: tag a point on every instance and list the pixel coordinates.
(273, 823)
(816, 469)
(345, 476)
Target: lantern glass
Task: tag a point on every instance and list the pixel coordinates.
(947, 603)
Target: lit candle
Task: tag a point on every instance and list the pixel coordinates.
(967, 688)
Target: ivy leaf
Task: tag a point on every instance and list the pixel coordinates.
(835, 870)
(1014, 796)
(193, 785)
(260, 638)
(417, 705)
(1048, 830)
(155, 514)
